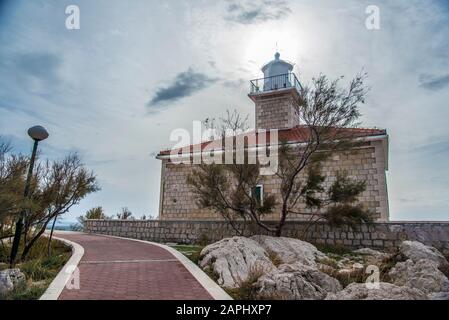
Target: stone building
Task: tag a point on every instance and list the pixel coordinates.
(274, 97)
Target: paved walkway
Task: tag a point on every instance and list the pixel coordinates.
(123, 269)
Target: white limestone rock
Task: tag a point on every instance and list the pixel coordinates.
(371, 256)
(297, 282)
(290, 250)
(423, 275)
(370, 252)
(416, 251)
(9, 279)
(386, 291)
(358, 266)
(439, 296)
(367, 251)
(233, 259)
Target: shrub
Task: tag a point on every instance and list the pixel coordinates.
(203, 239)
(334, 249)
(39, 269)
(26, 291)
(357, 276)
(247, 289)
(274, 258)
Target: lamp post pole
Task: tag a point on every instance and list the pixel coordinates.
(37, 133)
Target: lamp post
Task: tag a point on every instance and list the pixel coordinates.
(37, 133)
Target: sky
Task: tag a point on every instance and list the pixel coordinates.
(114, 89)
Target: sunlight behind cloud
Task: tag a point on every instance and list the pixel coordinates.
(261, 43)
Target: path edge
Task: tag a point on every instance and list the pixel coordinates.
(207, 283)
(58, 284)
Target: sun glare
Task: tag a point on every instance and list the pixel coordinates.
(262, 45)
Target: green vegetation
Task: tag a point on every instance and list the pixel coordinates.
(274, 258)
(52, 190)
(125, 214)
(190, 251)
(246, 289)
(39, 268)
(93, 213)
(334, 250)
(331, 262)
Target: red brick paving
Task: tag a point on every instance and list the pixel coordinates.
(109, 271)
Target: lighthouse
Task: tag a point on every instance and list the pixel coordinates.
(276, 96)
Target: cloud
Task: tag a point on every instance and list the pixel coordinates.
(184, 85)
(434, 83)
(36, 73)
(39, 65)
(234, 83)
(408, 199)
(250, 12)
(433, 148)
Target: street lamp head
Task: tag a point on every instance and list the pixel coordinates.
(38, 133)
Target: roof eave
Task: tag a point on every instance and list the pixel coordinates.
(383, 138)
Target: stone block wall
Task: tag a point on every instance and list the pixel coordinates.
(276, 110)
(366, 163)
(385, 236)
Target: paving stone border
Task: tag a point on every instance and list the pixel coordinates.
(55, 288)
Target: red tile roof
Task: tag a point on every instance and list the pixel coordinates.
(296, 134)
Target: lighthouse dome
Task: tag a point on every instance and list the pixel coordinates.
(277, 74)
(276, 67)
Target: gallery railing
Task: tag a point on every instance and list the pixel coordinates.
(282, 81)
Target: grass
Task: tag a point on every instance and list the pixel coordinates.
(193, 252)
(358, 276)
(329, 262)
(190, 251)
(246, 289)
(274, 258)
(39, 268)
(336, 250)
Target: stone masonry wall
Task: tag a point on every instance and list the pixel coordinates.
(276, 111)
(178, 201)
(385, 236)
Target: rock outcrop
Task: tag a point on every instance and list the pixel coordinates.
(385, 291)
(370, 252)
(371, 257)
(233, 259)
(416, 251)
(10, 279)
(290, 250)
(286, 268)
(297, 282)
(423, 274)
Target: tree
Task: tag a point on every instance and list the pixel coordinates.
(124, 214)
(56, 186)
(324, 109)
(229, 125)
(12, 172)
(59, 185)
(93, 213)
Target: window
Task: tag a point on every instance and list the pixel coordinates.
(258, 193)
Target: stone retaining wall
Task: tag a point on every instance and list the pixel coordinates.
(385, 235)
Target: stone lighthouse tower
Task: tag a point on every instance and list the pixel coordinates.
(276, 96)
